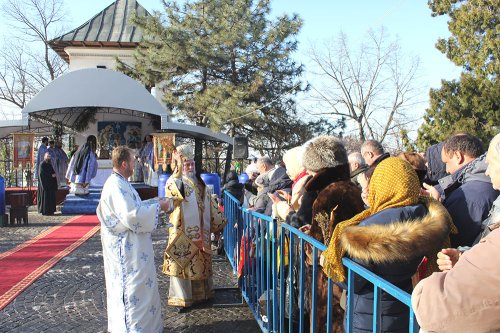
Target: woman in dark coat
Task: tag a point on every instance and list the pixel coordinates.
(337, 199)
(233, 186)
(390, 239)
(47, 188)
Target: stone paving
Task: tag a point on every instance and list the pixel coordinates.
(71, 297)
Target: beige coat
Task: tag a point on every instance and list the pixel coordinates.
(294, 167)
(466, 298)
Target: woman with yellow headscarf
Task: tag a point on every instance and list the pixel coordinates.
(390, 238)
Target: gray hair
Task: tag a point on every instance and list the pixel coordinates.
(356, 157)
(495, 146)
(265, 160)
(372, 145)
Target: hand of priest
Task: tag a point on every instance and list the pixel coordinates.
(167, 205)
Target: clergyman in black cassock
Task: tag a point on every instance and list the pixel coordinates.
(47, 187)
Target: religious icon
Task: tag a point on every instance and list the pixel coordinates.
(23, 148)
(112, 134)
(164, 145)
(132, 136)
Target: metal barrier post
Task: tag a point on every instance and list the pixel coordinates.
(267, 246)
(301, 284)
(291, 261)
(329, 306)
(313, 288)
(414, 328)
(274, 231)
(282, 281)
(377, 298)
(350, 300)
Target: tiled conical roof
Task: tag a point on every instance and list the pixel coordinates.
(109, 28)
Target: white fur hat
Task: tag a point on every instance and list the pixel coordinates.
(293, 160)
(322, 152)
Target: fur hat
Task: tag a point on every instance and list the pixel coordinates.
(322, 152)
(186, 151)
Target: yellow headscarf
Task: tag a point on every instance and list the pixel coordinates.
(394, 184)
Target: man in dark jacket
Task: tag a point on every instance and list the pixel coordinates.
(373, 152)
(275, 179)
(466, 193)
(357, 165)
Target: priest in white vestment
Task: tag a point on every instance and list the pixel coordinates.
(83, 167)
(133, 300)
(188, 256)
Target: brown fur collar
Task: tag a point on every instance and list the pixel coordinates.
(326, 176)
(398, 241)
(337, 202)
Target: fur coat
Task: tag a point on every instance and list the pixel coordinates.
(391, 244)
(337, 199)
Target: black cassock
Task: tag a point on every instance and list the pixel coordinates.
(47, 188)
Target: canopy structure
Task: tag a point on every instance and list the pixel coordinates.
(65, 99)
(8, 127)
(68, 98)
(195, 132)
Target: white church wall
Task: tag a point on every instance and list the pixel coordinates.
(86, 57)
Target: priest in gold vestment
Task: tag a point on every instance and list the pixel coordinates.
(188, 256)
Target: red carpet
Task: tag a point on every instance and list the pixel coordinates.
(22, 265)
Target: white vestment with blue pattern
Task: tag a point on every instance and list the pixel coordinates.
(39, 159)
(133, 300)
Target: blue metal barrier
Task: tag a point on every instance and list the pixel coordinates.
(256, 247)
(232, 234)
(379, 284)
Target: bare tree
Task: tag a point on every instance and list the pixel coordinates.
(14, 78)
(27, 63)
(373, 87)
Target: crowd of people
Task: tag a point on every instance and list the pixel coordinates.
(427, 223)
(50, 171)
(404, 217)
(77, 168)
